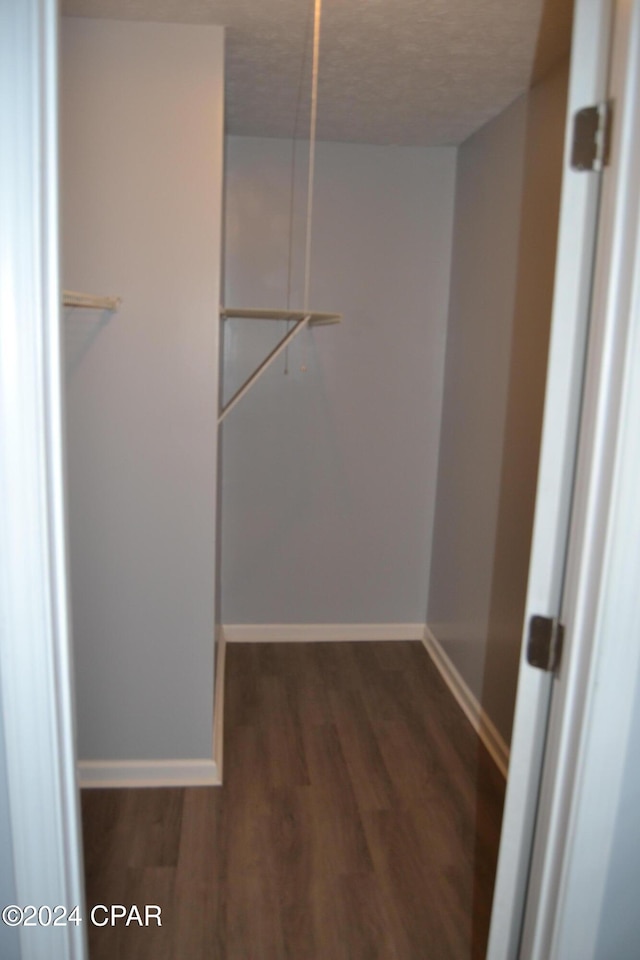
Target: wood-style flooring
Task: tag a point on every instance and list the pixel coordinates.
(359, 820)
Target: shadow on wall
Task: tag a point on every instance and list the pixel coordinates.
(82, 327)
(526, 390)
(543, 144)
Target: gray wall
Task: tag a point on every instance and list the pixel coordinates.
(142, 154)
(507, 198)
(329, 475)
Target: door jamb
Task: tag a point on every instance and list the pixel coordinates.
(36, 686)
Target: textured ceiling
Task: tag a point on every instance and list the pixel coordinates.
(391, 71)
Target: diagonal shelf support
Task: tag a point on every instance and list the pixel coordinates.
(301, 319)
(301, 323)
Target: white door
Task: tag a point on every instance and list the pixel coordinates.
(571, 309)
(566, 571)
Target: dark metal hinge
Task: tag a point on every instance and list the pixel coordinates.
(592, 137)
(544, 643)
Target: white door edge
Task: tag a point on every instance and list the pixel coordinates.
(593, 701)
(35, 653)
(574, 268)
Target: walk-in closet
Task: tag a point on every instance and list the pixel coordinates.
(298, 608)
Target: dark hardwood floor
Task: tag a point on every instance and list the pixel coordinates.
(359, 820)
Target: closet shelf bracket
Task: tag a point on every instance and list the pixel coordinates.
(70, 298)
(301, 321)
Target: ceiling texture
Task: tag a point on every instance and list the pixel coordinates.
(420, 72)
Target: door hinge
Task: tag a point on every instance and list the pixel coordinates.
(592, 137)
(544, 643)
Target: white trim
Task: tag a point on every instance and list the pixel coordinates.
(36, 686)
(321, 632)
(148, 773)
(468, 703)
(218, 704)
(166, 773)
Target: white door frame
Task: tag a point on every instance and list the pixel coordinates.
(594, 693)
(561, 882)
(36, 692)
(570, 321)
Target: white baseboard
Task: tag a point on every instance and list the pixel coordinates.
(468, 702)
(184, 773)
(166, 773)
(218, 703)
(148, 773)
(320, 632)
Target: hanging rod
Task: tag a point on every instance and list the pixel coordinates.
(70, 298)
(250, 313)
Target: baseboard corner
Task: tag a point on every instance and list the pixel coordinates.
(468, 702)
(218, 705)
